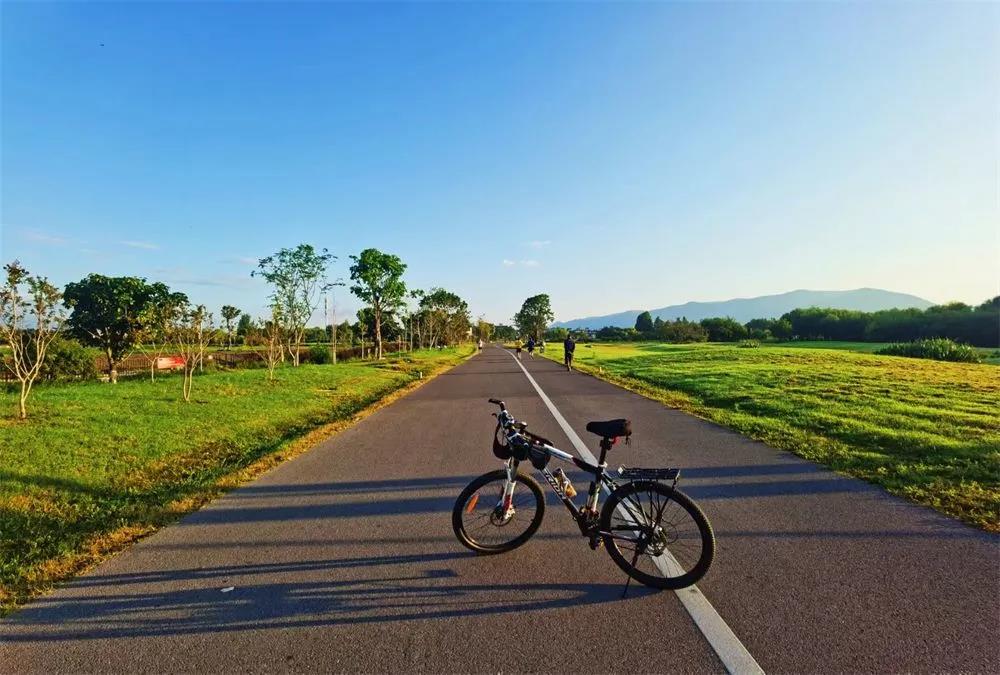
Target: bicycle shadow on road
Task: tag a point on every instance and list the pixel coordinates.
(399, 593)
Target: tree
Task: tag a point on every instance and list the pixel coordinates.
(534, 316)
(191, 331)
(378, 281)
(298, 279)
(644, 323)
(21, 296)
(682, 330)
(107, 313)
(504, 332)
(445, 316)
(157, 322)
(724, 329)
(244, 326)
(229, 314)
(268, 341)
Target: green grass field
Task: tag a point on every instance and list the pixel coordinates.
(926, 430)
(96, 466)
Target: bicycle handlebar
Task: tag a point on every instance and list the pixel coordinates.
(496, 401)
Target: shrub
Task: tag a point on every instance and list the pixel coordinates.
(939, 349)
(749, 343)
(67, 359)
(319, 354)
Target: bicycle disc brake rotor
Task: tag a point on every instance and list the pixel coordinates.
(501, 517)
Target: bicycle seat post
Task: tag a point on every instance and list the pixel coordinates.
(605, 446)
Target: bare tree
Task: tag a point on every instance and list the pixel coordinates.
(21, 296)
(158, 320)
(191, 333)
(268, 341)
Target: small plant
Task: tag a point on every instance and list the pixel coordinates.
(748, 343)
(939, 349)
(319, 354)
(67, 360)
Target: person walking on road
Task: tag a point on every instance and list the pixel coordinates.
(480, 344)
(569, 346)
(517, 348)
(531, 347)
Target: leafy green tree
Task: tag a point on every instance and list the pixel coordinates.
(657, 324)
(298, 280)
(107, 313)
(644, 323)
(534, 316)
(229, 314)
(682, 331)
(724, 329)
(445, 317)
(504, 333)
(556, 334)
(28, 298)
(244, 326)
(378, 281)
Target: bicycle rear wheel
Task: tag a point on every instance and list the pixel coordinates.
(657, 535)
(481, 522)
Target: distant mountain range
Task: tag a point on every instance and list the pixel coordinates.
(763, 307)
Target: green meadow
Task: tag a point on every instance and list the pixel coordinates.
(96, 465)
(926, 430)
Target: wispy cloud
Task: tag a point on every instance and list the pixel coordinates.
(44, 238)
(246, 260)
(538, 243)
(521, 263)
(508, 263)
(139, 244)
(531, 263)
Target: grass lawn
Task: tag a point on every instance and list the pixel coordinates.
(96, 466)
(926, 430)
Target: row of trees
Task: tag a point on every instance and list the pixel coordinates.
(119, 315)
(979, 326)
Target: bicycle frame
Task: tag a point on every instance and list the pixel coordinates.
(586, 518)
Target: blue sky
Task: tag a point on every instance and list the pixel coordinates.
(615, 156)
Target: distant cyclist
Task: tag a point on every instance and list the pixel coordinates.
(531, 347)
(568, 348)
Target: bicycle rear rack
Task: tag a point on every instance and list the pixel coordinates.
(648, 474)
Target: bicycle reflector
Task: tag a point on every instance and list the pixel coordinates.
(472, 503)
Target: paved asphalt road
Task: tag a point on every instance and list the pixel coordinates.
(344, 560)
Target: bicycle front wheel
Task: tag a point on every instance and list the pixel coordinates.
(657, 535)
(484, 524)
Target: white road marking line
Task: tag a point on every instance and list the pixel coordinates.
(721, 638)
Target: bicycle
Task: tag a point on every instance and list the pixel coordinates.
(501, 510)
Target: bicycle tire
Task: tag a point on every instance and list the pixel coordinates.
(626, 496)
(461, 509)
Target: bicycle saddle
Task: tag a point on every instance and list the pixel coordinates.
(611, 428)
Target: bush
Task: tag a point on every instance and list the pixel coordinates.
(939, 349)
(749, 343)
(319, 354)
(67, 359)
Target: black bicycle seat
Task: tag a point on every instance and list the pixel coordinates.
(611, 428)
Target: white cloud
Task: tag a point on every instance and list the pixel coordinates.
(536, 244)
(139, 244)
(44, 238)
(246, 260)
(521, 263)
